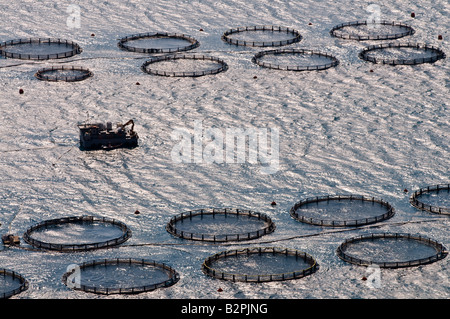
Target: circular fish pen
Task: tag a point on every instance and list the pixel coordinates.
(39, 49)
(434, 199)
(391, 250)
(120, 276)
(371, 30)
(158, 42)
(220, 225)
(260, 264)
(341, 210)
(11, 283)
(63, 73)
(77, 233)
(401, 54)
(295, 60)
(180, 65)
(261, 36)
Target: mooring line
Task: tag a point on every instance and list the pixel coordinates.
(286, 238)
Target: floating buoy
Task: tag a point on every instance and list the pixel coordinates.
(405, 190)
(273, 204)
(92, 35)
(255, 77)
(137, 83)
(20, 91)
(220, 290)
(371, 70)
(201, 29)
(310, 23)
(137, 212)
(413, 15)
(364, 278)
(439, 37)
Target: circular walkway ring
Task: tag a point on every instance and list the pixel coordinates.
(174, 277)
(5, 46)
(27, 236)
(209, 270)
(171, 225)
(439, 54)
(23, 283)
(221, 68)
(41, 74)
(390, 211)
(123, 43)
(414, 199)
(256, 59)
(296, 36)
(441, 251)
(408, 30)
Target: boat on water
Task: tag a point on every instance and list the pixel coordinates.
(98, 136)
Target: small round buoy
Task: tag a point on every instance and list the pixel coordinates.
(364, 278)
(440, 37)
(137, 212)
(413, 15)
(255, 77)
(220, 290)
(92, 35)
(273, 204)
(137, 83)
(201, 29)
(371, 70)
(21, 91)
(310, 23)
(405, 190)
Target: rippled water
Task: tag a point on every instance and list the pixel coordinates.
(359, 128)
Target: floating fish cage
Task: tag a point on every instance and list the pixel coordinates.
(77, 233)
(120, 276)
(220, 225)
(63, 74)
(158, 42)
(371, 30)
(434, 199)
(341, 210)
(391, 250)
(261, 36)
(295, 60)
(11, 283)
(260, 264)
(39, 49)
(401, 54)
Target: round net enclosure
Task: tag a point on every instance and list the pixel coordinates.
(39, 49)
(180, 65)
(158, 42)
(341, 210)
(260, 264)
(120, 276)
(77, 233)
(295, 60)
(11, 283)
(401, 54)
(391, 250)
(434, 199)
(220, 225)
(63, 73)
(371, 30)
(261, 36)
